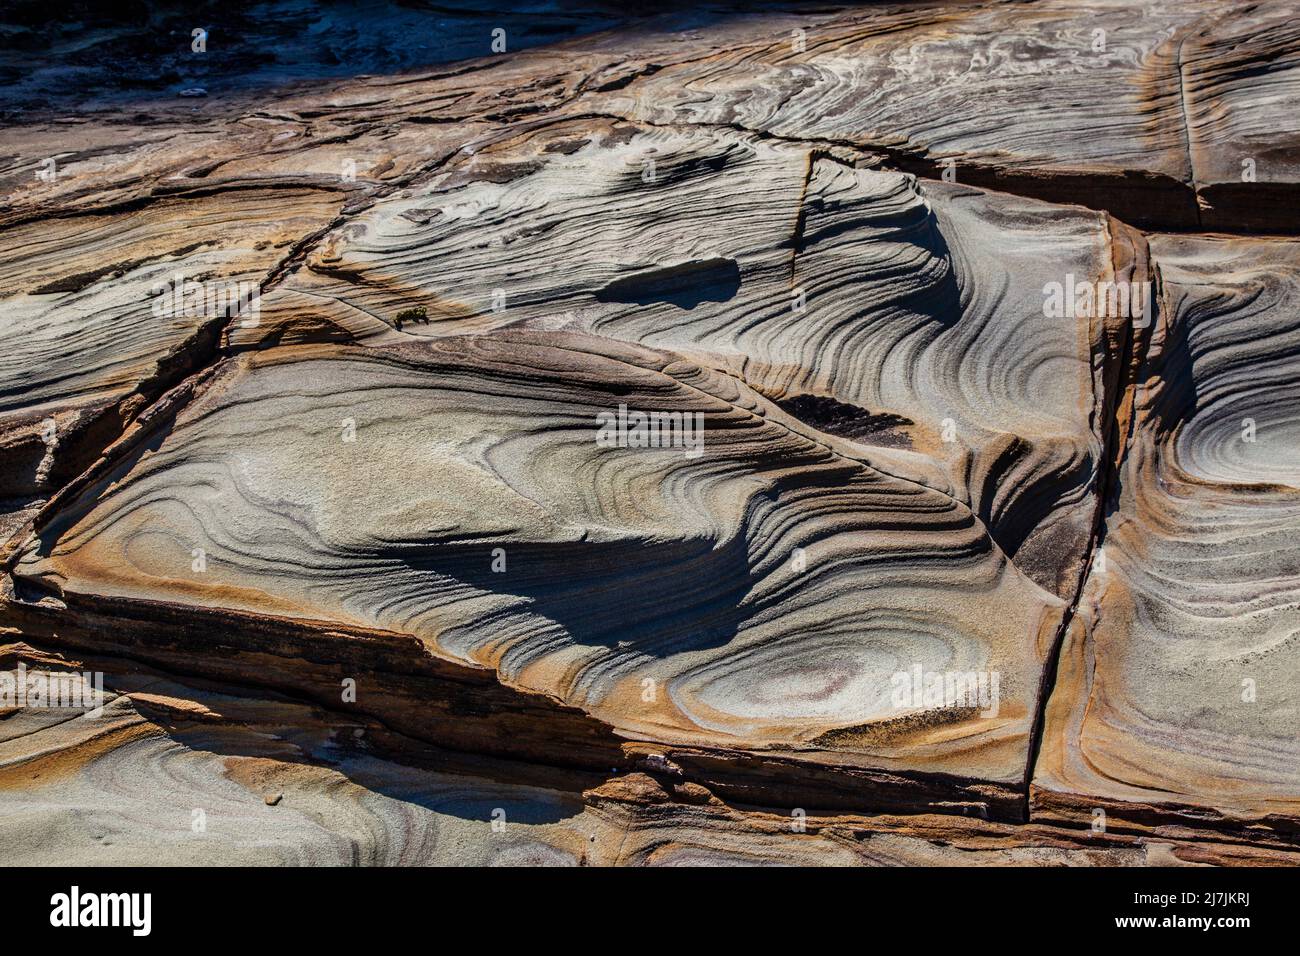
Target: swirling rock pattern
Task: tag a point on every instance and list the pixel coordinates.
(833, 281)
(1151, 110)
(88, 339)
(204, 774)
(938, 565)
(1178, 686)
(612, 577)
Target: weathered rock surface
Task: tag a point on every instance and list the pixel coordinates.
(943, 567)
(1177, 692)
(186, 771)
(1147, 111)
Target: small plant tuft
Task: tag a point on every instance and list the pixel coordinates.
(417, 314)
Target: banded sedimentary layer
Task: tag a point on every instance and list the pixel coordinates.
(925, 552)
(1178, 691)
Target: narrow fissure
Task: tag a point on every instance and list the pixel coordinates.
(1115, 430)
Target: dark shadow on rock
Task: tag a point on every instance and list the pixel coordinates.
(454, 784)
(644, 595)
(684, 285)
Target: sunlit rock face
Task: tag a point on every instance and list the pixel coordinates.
(1178, 684)
(886, 415)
